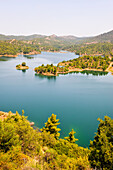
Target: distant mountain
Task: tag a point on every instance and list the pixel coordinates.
(20, 37)
(106, 37)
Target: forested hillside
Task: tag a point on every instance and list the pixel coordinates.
(91, 49)
(12, 45)
(15, 47)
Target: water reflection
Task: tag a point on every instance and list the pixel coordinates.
(23, 71)
(94, 73)
(87, 72)
(47, 77)
(28, 57)
(4, 58)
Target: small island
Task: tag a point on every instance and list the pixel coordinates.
(22, 66)
(80, 64)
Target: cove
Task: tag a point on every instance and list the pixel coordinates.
(77, 99)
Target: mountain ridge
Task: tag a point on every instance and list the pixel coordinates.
(108, 36)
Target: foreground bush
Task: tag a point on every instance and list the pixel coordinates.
(101, 155)
(22, 147)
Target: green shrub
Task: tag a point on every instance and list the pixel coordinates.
(23, 64)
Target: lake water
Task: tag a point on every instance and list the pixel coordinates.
(77, 99)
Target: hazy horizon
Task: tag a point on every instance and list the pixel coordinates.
(80, 18)
(53, 34)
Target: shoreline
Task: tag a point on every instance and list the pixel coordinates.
(10, 56)
(110, 68)
(16, 55)
(71, 71)
(57, 51)
(32, 53)
(47, 74)
(20, 67)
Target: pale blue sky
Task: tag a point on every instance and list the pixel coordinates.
(60, 17)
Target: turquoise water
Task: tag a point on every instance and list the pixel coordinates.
(77, 99)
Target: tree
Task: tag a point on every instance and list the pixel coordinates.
(51, 126)
(23, 64)
(55, 70)
(101, 155)
(21, 128)
(8, 136)
(71, 137)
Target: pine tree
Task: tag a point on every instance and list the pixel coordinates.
(51, 126)
(101, 155)
(71, 137)
(8, 136)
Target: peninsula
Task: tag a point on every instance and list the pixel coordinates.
(80, 64)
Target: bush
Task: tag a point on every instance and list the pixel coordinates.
(18, 65)
(23, 64)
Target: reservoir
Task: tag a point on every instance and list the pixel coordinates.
(77, 99)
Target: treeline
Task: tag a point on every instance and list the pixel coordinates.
(50, 69)
(90, 62)
(46, 69)
(91, 49)
(22, 147)
(14, 47)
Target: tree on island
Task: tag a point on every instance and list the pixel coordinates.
(101, 155)
(23, 64)
(51, 126)
(71, 137)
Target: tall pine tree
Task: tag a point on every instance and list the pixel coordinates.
(51, 126)
(101, 155)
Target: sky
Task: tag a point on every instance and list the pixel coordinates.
(61, 17)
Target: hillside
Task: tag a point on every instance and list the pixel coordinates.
(98, 45)
(20, 37)
(105, 37)
(72, 39)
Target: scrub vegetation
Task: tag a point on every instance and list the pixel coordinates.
(22, 147)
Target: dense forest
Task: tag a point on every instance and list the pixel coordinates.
(15, 47)
(90, 62)
(23, 147)
(91, 49)
(50, 70)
